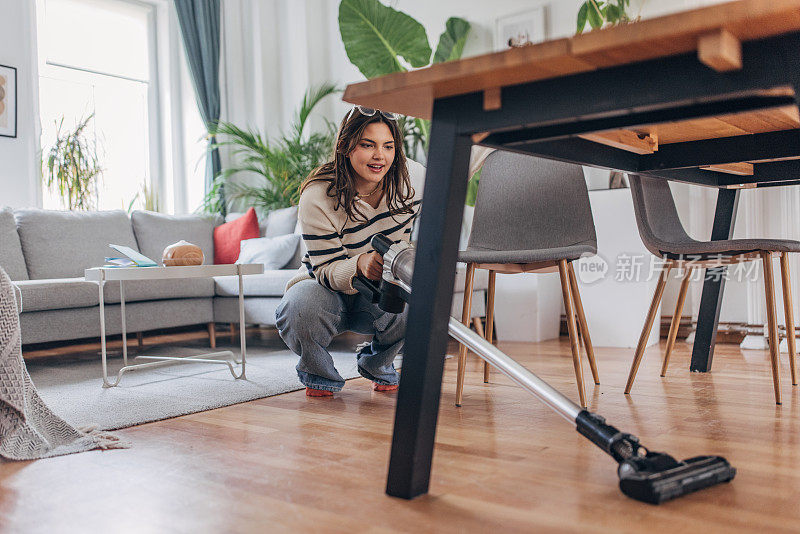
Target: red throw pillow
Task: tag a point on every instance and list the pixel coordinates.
(228, 236)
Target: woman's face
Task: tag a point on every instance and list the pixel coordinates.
(373, 156)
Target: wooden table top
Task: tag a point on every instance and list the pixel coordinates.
(412, 93)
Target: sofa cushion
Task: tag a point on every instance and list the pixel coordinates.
(11, 258)
(155, 231)
(61, 293)
(267, 284)
(281, 221)
(273, 252)
(62, 244)
(55, 325)
(228, 237)
(297, 259)
(262, 222)
(56, 294)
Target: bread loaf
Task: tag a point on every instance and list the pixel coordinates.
(182, 253)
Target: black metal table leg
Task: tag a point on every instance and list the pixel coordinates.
(713, 285)
(426, 333)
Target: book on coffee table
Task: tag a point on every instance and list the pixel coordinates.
(138, 259)
(119, 262)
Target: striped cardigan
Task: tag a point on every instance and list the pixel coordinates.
(334, 242)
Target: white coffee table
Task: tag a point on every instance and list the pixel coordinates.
(101, 275)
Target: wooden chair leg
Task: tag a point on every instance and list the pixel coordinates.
(489, 321)
(140, 340)
(648, 325)
(772, 324)
(676, 318)
(563, 272)
(477, 322)
(465, 313)
(212, 334)
(584, 327)
(789, 314)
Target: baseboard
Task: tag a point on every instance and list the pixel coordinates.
(726, 332)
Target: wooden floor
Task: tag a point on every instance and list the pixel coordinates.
(503, 462)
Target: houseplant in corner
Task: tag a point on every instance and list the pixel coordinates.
(72, 168)
(279, 165)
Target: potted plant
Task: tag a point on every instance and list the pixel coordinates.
(72, 169)
(280, 165)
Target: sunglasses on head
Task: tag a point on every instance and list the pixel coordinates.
(369, 112)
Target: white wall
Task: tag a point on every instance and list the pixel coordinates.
(19, 158)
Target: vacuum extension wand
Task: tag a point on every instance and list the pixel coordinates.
(652, 477)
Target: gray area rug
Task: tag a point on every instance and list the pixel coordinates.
(73, 389)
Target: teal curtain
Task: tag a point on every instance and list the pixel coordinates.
(200, 27)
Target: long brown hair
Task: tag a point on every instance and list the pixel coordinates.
(396, 184)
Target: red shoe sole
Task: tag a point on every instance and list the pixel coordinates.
(311, 392)
(384, 387)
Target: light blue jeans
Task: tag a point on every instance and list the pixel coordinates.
(310, 316)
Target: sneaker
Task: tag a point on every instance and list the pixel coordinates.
(384, 387)
(311, 392)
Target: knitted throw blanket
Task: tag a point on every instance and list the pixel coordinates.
(28, 429)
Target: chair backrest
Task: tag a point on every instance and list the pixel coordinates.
(656, 215)
(530, 203)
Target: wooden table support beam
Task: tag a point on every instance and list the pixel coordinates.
(720, 50)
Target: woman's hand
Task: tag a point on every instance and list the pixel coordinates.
(370, 265)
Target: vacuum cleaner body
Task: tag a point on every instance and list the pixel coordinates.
(651, 477)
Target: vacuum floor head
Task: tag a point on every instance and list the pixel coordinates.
(658, 477)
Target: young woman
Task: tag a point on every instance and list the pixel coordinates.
(364, 190)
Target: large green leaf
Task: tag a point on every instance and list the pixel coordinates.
(596, 14)
(452, 40)
(583, 12)
(376, 36)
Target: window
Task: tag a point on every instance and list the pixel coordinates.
(98, 57)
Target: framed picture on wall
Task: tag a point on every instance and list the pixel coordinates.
(520, 29)
(8, 101)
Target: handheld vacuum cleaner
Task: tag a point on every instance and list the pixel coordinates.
(644, 475)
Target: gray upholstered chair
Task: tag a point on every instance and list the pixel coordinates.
(663, 235)
(531, 215)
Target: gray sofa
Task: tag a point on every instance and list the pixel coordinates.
(46, 252)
